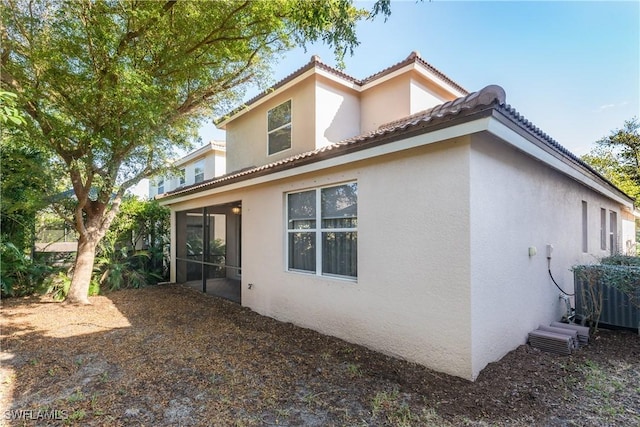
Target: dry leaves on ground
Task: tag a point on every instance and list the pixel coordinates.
(168, 356)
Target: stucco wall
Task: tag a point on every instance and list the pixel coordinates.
(422, 98)
(385, 102)
(411, 298)
(214, 165)
(247, 134)
(517, 203)
(628, 236)
(337, 113)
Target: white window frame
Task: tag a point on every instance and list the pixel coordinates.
(318, 230)
(270, 131)
(585, 227)
(160, 185)
(198, 165)
(603, 229)
(182, 178)
(613, 232)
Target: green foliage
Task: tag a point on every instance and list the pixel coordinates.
(620, 259)
(9, 113)
(19, 274)
(21, 190)
(617, 157)
(114, 88)
(619, 272)
(139, 224)
(123, 267)
(625, 278)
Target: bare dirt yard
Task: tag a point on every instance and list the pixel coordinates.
(170, 356)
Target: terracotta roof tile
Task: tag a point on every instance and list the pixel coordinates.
(317, 62)
(413, 57)
(314, 62)
(489, 96)
(518, 118)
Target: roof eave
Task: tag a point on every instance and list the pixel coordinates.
(508, 117)
(312, 68)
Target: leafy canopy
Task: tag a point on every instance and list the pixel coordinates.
(114, 87)
(617, 157)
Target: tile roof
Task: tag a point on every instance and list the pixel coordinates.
(483, 99)
(486, 101)
(316, 62)
(413, 57)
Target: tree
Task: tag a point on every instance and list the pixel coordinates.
(20, 189)
(9, 113)
(114, 87)
(617, 157)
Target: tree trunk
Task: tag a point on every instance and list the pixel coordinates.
(83, 269)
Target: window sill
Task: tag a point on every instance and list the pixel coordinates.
(336, 278)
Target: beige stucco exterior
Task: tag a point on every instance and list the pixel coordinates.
(328, 108)
(410, 289)
(444, 230)
(211, 157)
(452, 221)
(516, 204)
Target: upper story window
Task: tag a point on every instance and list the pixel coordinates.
(279, 128)
(160, 185)
(322, 234)
(182, 176)
(199, 171)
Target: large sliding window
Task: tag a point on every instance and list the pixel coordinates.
(322, 231)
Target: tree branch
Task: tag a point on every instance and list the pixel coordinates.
(131, 35)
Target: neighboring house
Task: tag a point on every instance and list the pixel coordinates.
(399, 212)
(198, 166)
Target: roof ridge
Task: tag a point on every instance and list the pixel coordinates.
(413, 58)
(442, 75)
(487, 96)
(315, 61)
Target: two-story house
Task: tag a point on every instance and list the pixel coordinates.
(400, 212)
(204, 163)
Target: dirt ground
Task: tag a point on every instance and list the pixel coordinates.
(170, 356)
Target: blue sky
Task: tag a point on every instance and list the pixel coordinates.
(571, 68)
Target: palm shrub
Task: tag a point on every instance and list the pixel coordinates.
(19, 274)
(134, 252)
(120, 266)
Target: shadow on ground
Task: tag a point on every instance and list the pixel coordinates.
(169, 355)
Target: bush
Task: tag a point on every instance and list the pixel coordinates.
(19, 274)
(619, 259)
(58, 286)
(120, 266)
(619, 272)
